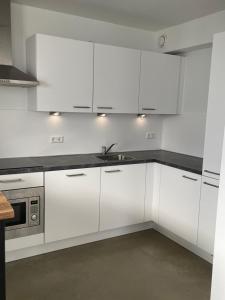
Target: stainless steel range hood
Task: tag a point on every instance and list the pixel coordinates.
(10, 75)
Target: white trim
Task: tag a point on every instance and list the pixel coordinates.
(45, 248)
(191, 247)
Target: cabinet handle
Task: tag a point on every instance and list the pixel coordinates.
(146, 108)
(210, 172)
(76, 175)
(104, 107)
(81, 107)
(11, 180)
(190, 178)
(210, 184)
(113, 171)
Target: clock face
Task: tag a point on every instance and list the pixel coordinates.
(162, 41)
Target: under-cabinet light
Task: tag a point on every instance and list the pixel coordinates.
(55, 113)
(103, 115)
(141, 116)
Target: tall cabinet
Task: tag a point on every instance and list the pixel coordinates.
(216, 110)
(213, 147)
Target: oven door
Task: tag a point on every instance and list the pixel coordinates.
(20, 220)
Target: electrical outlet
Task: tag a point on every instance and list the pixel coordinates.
(150, 135)
(57, 139)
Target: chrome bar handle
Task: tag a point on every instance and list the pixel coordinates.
(11, 180)
(190, 178)
(113, 171)
(148, 108)
(105, 107)
(76, 175)
(81, 107)
(210, 172)
(210, 184)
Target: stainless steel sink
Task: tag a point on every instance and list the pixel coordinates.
(115, 157)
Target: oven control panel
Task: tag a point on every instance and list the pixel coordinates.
(34, 211)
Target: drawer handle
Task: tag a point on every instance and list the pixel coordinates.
(82, 107)
(76, 175)
(104, 107)
(210, 172)
(190, 178)
(210, 184)
(11, 180)
(113, 171)
(147, 108)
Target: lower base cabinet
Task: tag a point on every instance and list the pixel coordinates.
(153, 175)
(208, 213)
(71, 203)
(179, 202)
(122, 196)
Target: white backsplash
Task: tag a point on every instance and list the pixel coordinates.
(24, 133)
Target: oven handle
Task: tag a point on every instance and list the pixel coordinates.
(11, 180)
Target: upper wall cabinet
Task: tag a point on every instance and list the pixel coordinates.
(64, 68)
(116, 79)
(159, 83)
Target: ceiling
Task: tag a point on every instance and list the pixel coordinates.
(146, 14)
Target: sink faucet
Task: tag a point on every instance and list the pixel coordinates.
(106, 150)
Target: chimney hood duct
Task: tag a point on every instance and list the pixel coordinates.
(10, 75)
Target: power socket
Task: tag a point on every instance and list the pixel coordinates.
(150, 135)
(57, 139)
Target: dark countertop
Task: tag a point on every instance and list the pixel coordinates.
(63, 162)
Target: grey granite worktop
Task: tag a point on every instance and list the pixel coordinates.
(62, 162)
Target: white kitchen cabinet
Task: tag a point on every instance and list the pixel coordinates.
(207, 215)
(116, 79)
(215, 121)
(122, 196)
(64, 68)
(21, 181)
(159, 83)
(71, 203)
(153, 173)
(179, 202)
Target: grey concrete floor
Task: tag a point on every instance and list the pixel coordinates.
(139, 266)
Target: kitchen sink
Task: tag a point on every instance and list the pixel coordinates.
(115, 157)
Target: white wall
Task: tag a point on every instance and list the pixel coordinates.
(24, 133)
(27, 20)
(195, 33)
(27, 133)
(185, 133)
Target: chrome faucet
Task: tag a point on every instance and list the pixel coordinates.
(106, 150)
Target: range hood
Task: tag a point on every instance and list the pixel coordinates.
(10, 75)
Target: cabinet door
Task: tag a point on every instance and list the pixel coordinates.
(116, 79)
(153, 173)
(122, 196)
(159, 84)
(179, 202)
(215, 121)
(208, 212)
(71, 203)
(64, 68)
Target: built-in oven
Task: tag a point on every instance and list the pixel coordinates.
(28, 205)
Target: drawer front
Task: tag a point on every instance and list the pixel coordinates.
(20, 181)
